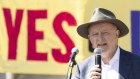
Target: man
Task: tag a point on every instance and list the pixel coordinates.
(103, 31)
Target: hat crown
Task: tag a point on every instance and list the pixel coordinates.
(102, 14)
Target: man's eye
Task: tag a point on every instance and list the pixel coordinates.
(105, 33)
(94, 34)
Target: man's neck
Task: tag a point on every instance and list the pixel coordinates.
(107, 56)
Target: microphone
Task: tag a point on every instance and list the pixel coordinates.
(98, 52)
(74, 51)
(72, 62)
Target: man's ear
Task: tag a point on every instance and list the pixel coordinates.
(118, 33)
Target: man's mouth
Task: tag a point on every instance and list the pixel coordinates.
(101, 45)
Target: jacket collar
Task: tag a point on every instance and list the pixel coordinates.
(125, 64)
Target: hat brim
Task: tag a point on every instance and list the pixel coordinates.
(83, 29)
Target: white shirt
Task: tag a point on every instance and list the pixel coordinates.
(111, 70)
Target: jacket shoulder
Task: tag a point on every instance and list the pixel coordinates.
(130, 55)
(87, 61)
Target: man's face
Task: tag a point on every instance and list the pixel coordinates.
(104, 35)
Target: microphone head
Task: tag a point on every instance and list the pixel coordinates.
(75, 50)
(72, 57)
(98, 51)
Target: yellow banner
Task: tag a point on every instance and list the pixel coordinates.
(36, 36)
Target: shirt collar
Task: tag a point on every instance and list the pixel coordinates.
(116, 56)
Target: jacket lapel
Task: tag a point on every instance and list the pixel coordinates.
(125, 64)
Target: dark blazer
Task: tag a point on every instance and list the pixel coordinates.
(129, 66)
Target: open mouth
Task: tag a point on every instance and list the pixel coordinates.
(102, 45)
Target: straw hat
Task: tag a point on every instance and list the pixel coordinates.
(102, 15)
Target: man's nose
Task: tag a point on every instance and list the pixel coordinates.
(100, 37)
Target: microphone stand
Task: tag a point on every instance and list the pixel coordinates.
(71, 65)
